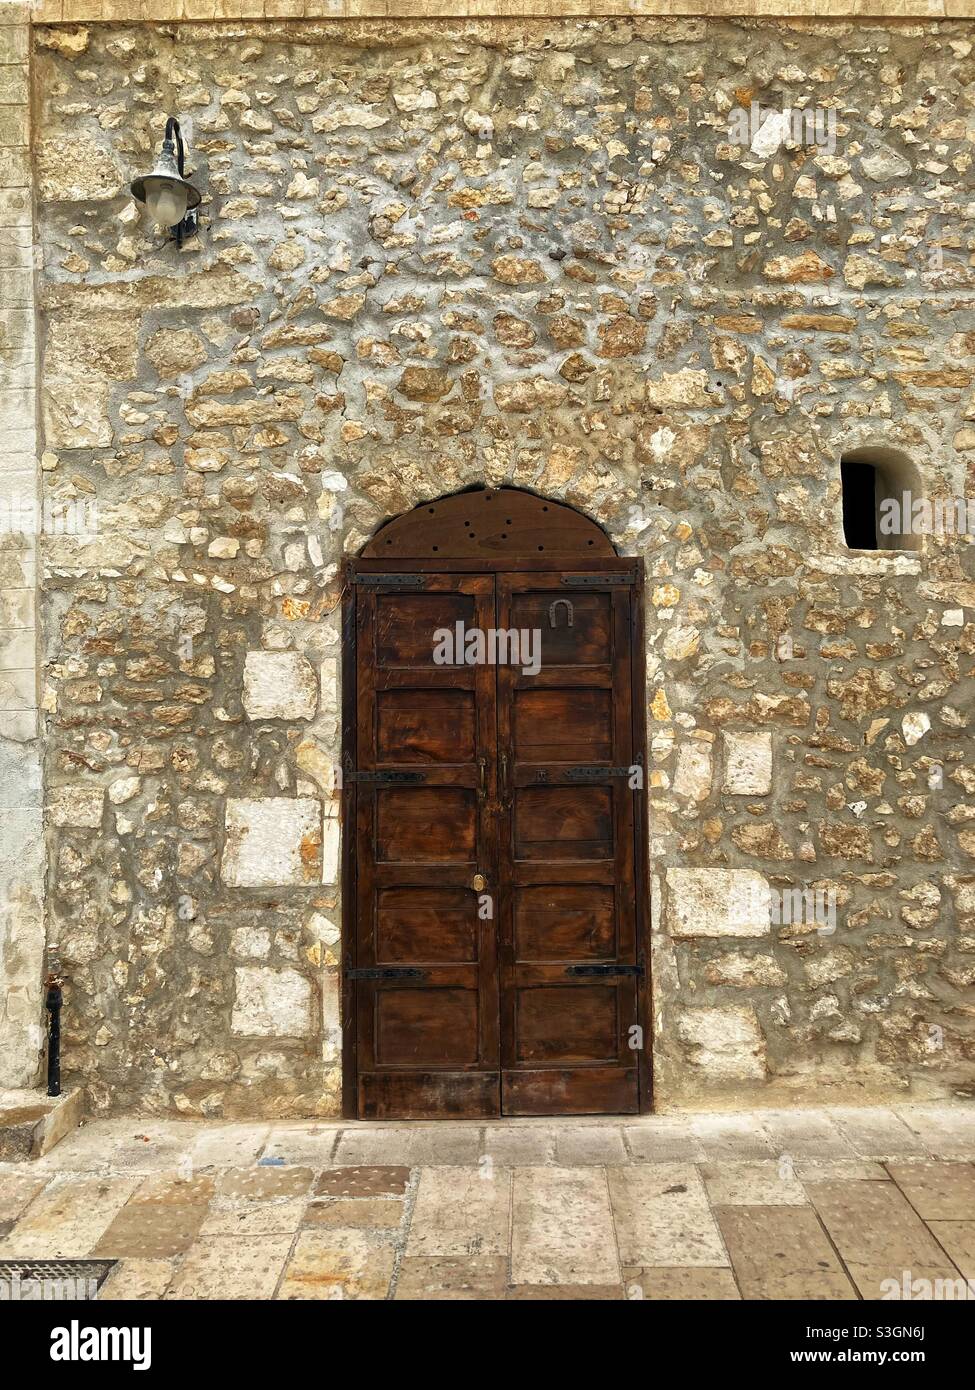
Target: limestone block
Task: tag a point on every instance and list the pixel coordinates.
(76, 806)
(101, 345)
(271, 1003)
(279, 685)
(684, 388)
(717, 902)
(78, 169)
(330, 848)
(915, 725)
(331, 1018)
(727, 1044)
(748, 764)
(742, 971)
(76, 414)
(272, 841)
(693, 774)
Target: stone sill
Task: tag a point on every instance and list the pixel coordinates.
(205, 11)
(868, 562)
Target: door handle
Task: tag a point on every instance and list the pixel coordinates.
(479, 883)
(482, 778)
(504, 776)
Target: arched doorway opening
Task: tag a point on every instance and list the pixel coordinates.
(495, 887)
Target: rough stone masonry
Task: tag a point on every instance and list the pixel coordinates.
(438, 254)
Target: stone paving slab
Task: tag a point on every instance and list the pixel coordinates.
(805, 1135)
(465, 1212)
(663, 1217)
(946, 1131)
(937, 1191)
(879, 1134)
(218, 1267)
(562, 1227)
(338, 1264)
(679, 1284)
(753, 1185)
(736, 1138)
(878, 1234)
(69, 1217)
(372, 1213)
(957, 1240)
(274, 1218)
(782, 1252)
(138, 1279)
(385, 1181)
(830, 1204)
(442, 1277)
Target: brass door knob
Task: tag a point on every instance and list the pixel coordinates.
(479, 883)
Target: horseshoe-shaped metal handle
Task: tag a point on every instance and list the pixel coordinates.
(553, 612)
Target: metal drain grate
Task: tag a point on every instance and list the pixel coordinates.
(53, 1279)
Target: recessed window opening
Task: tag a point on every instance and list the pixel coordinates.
(881, 488)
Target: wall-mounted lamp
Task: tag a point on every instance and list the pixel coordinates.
(169, 197)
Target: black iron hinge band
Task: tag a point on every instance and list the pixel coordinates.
(386, 779)
(604, 969)
(391, 972)
(596, 581)
(395, 581)
(594, 773)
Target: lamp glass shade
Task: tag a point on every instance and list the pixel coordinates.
(166, 194)
(166, 200)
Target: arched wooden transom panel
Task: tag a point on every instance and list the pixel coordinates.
(490, 523)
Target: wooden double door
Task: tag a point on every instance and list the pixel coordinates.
(496, 966)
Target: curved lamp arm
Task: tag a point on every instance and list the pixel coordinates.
(172, 129)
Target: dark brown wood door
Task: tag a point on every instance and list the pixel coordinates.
(496, 965)
(568, 953)
(426, 959)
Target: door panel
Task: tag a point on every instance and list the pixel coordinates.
(431, 924)
(465, 771)
(434, 726)
(427, 1040)
(573, 922)
(426, 825)
(548, 727)
(566, 852)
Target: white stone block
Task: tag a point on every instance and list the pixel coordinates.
(915, 725)
(76, 415)
(748, 764)
(271, 1003)
(330, 846)
(727, 1044)
(279, 685)
(76, 806)
(272, 841)
(693, 775)
(718, 902)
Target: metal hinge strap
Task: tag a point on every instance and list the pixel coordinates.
(395, 972)
(595, 773)
(395, 581)
(596, 581)
(604, 969)
(386, 779)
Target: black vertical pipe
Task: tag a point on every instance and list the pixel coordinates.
(54, 999)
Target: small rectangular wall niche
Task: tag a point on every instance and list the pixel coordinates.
(881, 487)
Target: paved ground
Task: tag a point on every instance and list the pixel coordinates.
(773, 1204)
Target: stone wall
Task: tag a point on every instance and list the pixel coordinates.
(440, 254)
